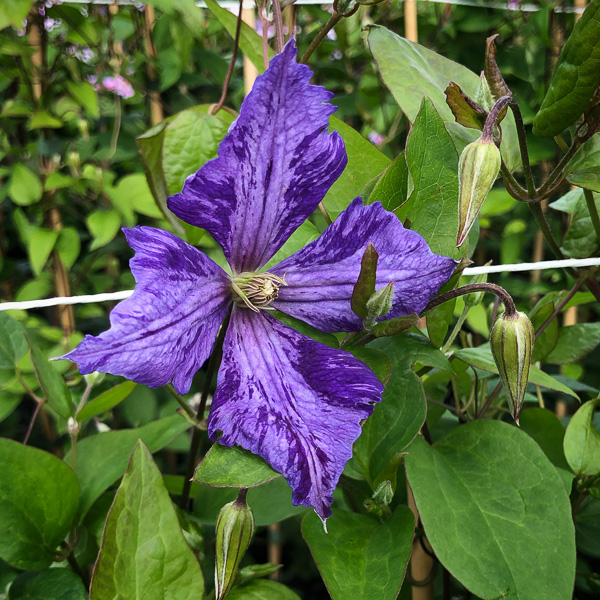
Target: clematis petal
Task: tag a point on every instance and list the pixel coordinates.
(166, 330)
(293, 401)
(274, 167)
(321, 276)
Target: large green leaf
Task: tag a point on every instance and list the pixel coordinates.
(144, 554)
(13, 12)
(582, 441)
(392, 188)
(433, 164)
(365, 163)
(584, 168)
(413, 72)
(359, 557)
(495, 511)
(38, 500)
(102, 458)
(481, 358)
(580, 240)
(13, 343)
(587, 525)
(574, 342)
(262, 589)
(57, 584)
(39, 247)
(24, 188)
(575, 78)
(233, 467)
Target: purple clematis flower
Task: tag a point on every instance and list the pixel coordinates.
(293, 401)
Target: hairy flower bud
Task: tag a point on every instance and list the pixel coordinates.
(477, 170)
(511, 340)
(380, 303)
(234, 530)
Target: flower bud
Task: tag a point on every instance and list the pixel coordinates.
(380, 303)
(477, 170)
(234, 530)
(511, 340)
(384, 494)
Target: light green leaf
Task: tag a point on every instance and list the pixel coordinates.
(57, 180)
(12, 341)
(104, 226)
(24, 188)
(580, 240)
(582, 441)
(392, 188)
(365, 163)
(574, 342)
(481, 357)
(482, 494)
(85, 95)
(58, 584)
(102, 458)
(413, 72)
(55, 389)
(38, 500)
(106, 400)
(233, 467)
(39, 247)
(68, 246)
(359, 557)
(433, 163)
(142, 531)
(42, 119)
(305, 234)
(544, 427)
(262, 589)
(13, 12)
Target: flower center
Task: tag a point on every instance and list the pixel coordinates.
(256, 290)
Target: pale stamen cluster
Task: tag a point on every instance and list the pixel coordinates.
(256, 290)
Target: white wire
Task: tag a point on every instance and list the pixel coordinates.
(538, 266)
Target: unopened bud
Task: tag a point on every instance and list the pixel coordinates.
(234, 530)
(94, 378)
(483, 95)
(511, 340)
(380, 303)
(384, 493)
(477, 170)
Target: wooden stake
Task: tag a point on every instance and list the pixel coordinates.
(421, 564)
(250, 71)
(410, 21)
(156, 110)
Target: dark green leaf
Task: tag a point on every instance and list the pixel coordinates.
(392, 188)
(376, 360)
(262, 589)
(233, 467)
(482, 494)
(142, 531)
(438, 321)
(359, 557)
(38, 500)
(582, 441)
(584, 168)
(364, 287)
(105, 401)
(12, 341)
(587, 525)
(57, 584)
(102, 458)
(433, 164)
(575, 77)
(545, 343)
(574, 342)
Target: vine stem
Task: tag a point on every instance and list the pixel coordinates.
(236, 43)
(506, 298)
(333, 21)
(538, 213)
(278, 19)
(593, 210)
(456, 330)
(213, 363)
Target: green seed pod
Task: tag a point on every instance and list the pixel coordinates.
(234, 530)
(511, 340)
(477, 170)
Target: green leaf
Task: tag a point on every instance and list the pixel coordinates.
(142, 531)
(545, 343)
(545, 428)
(365, 163)
(584, 168)
(233, 467)
(305, 234)
(85, 95)
(576, 76)
(433, 164)
(58, 584)
(262, 589)
(42, 119)
(102, 458)
(24, 188)
(39, 247)
(250, 41)
(38, 500)
(574, 342)
(438, 321)
(359, 557)
(376, 360)
(270, 503)
(483, 496)
(392, 188)
(587, 526)
(55, 389)
(12, 341)
(68, 246)
(106, 400)
(582, 441)
(13, 12)
(412, 72)
(104, 226)
(481, 357)
(57, 181)
(580, 240)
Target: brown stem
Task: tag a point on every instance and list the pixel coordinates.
(333, 21)
(506, 298)
(278, 19)
(492, 397)
(33, 419)
(591, 206)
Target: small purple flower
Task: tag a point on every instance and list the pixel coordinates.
(50, 24)
(119, 85)
(375, 138)
(293, 401)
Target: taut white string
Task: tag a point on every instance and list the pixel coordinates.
(112, 296)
